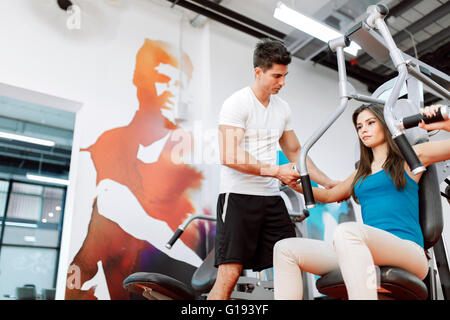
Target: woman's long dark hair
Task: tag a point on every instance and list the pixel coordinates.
(394, 163)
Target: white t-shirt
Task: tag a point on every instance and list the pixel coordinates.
(263, 129)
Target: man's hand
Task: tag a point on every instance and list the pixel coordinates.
(287, 174)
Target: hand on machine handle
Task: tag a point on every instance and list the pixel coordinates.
(429, 118)
(432, 112)
(287, 174)
(292, 181)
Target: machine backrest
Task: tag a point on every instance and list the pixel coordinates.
(430, 207)
(204, 277)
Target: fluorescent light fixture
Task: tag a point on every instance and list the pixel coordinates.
(310, 26)
(47, 179)
(12, 136)
(30, 238)
(19, 224)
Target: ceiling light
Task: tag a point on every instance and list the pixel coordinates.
(310, 26)
(47, 179)
(30, 238)
(12, 136)
(20, 224)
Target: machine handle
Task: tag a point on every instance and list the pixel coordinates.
(383, 9)
(414, 120)
(307, 192)
(304, 215)
(446, 195)
(299, 217)
(185, 224)
(174, 238)
(408, 153)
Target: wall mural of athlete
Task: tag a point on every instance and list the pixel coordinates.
(143, 195)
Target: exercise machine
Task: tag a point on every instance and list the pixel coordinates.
(395, 283)
(157, 286)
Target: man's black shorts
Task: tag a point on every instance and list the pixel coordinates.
(248, 227)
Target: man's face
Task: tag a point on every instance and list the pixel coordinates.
(273, 79)
(174, 87)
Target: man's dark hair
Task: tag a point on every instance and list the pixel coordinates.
(268, 51)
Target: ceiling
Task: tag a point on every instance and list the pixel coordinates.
(424, 24)
(419, 27)
(33, 120)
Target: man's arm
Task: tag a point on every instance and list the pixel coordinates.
(234, 157)
(291, 148)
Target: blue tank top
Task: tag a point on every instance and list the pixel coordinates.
(386, 208)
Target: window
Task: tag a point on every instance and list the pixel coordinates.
(30, 242)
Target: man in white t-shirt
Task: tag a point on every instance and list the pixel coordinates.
(251, 215)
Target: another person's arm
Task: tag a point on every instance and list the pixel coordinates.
(233, 156)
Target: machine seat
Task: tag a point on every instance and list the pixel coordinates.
(394, 283)
(169, 287)
(204, 277)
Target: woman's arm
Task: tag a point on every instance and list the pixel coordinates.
(432, 152)
(341, 191)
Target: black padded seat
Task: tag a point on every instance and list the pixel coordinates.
(202, 281)
(140, 281)
(204, 277)
(395, 283)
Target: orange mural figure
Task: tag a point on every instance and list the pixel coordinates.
(140, 197)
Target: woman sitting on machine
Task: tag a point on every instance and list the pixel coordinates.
(390, 235)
